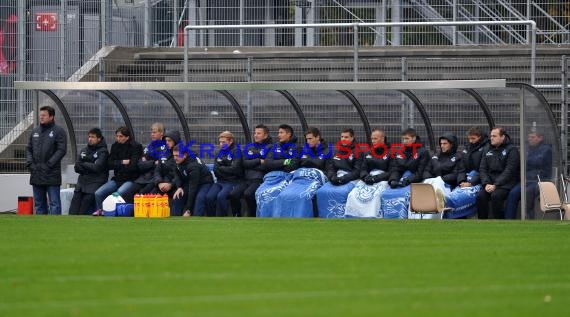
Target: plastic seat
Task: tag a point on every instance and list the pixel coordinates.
(550, 199)
(423, 200)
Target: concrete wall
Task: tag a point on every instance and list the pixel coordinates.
(12, 186)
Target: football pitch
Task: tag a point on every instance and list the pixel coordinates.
(87, 266)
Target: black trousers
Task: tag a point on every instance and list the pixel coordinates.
(82, 203)
(246, 190)
(497, 199)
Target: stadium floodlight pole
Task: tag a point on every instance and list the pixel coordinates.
(366, 24)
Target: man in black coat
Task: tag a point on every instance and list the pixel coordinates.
(409, 164)
(46, 148)
(538, 164)
(91, 165)
(193, 181)
(284, 156)
(499, 173)
(316, 151)
(376, 163)
(468, 171)
(123, 158)
(254, 166)
(228, 171)
(445, 163)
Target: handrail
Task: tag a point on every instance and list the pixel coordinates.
(355, 26)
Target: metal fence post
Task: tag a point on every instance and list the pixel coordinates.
(403, 100)
(249, 75)
(102, 23)
(563, 112)
(174, 23)
(147, 15)
(62, 30)
(522, 155)
(355, 53)
(241, 21)
(454, 38)
(21, 58)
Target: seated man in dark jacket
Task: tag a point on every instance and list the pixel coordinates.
(364, 200)
(538, 164)
(123, 158)
(463, 198)
(193, 180)
(407, 166)
(499, 174)
(445, 163)
(146, 164)
(165, 170)
(228, 170)
(342, 169)
(91, 165)
(254, 159)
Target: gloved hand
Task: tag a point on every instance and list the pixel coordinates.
(372, 179)
(334, 179)
(393, 183)
(287, 162)
(404, 182)
(342, 180)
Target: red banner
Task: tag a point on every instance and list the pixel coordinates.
(46, 21)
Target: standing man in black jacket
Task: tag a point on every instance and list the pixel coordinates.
(46, 148)
(499, 173)
(91, 165)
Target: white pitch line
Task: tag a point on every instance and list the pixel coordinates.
(214, 298)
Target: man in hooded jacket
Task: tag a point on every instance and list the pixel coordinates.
(445, 163)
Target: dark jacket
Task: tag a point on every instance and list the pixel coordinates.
(165, 166)
(91, 165)
(283, 153)
(416, 164)
(339, 161)
(251, 159)
(228, 165)
(539, 162)
(377, 159)
(445, 164)
(316, 157)
(148, 161)
(165, 170)
(500, 166)
(471, 160)
(46, 148)
(193, 173)
(130, 150)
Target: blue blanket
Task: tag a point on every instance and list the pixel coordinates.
(463, 202)
(273, 184)
(331, 199)
(296, 200)
(395, 203)
(364, 200)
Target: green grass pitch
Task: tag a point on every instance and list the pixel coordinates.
(87, 266)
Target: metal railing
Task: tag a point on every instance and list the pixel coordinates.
(189, 32)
